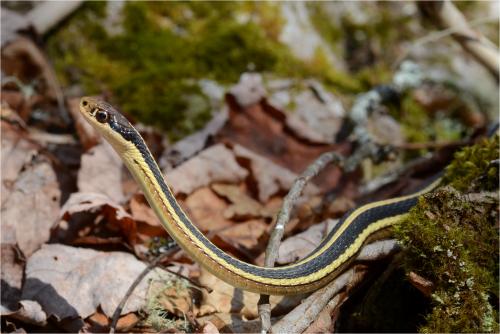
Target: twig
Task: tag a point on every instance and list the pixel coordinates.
(446, 15)
(303, 315)
(132, 287)
(193, 283)
(432, 145)
(283, 217)
(437, 35)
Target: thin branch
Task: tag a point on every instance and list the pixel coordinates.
(131, 289)
(193, 283)
(446, 15)
(437, 35)
(432, 145)
(283, 217)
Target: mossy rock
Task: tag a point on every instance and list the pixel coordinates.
(451, 238)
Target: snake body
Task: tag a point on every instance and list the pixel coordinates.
(327, 261)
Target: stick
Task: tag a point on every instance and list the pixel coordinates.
(447, 16)
(134, 284)
(283, 217)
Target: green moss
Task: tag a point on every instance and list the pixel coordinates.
(451, 239)
(472, 170)
(150, 69)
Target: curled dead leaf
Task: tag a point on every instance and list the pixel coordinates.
(215, 164)
(93, 203)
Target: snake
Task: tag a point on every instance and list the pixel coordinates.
(328, 260)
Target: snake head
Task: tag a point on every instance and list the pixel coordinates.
(109, 122)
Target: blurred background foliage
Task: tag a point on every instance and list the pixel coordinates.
(149, 57)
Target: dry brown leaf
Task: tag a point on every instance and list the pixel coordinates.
(247, 234)
(226, 299)
(100, 322)
(261, 129)
(32, 207)
(243, 206)
(101, 172)
(215, 164)
(25, 60)
(209, 328)
(11, 278)
(148, 224)
(73, 282)
(94, 202)
(231, 323)
(300, 245)
(270, 178)
(16, 152)
(206, 210)
(189, 146)
(322, 125)
(141, 211)
(89, 137)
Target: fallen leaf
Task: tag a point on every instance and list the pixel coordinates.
(226, 299)
(230, 323)
(148, 224)
(23, 59)
(100, 322)
(11, 278)
(101, 172)
(243, 207)
(215, 164)
(73, 282)
(302, 244)
(249, 90)
(89, 137)
(29, 311)
(270, 178)
(190, 145)
(261, 129)
(246, 234)
(141, 211)
(95, 202)
(206, 210)
(322, 125)
(32, 207)
(209, 328)
(17, 151)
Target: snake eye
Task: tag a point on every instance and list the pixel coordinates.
(101, 116)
